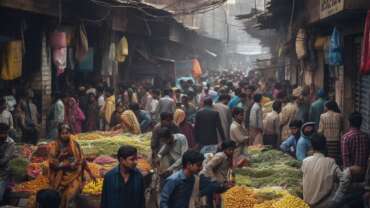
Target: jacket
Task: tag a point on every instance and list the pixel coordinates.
(207, 123)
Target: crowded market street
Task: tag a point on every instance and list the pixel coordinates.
(197, 104)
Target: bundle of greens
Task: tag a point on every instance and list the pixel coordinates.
(270, 167)
(110, 145)
(18, 169)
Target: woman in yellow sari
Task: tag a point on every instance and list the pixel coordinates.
(66, 166)
(129, 122)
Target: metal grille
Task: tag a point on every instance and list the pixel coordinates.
(362, 90)
(365, 103)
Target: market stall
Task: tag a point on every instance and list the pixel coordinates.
(30, 169)
(271, 179)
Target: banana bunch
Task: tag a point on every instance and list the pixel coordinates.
(93, 188)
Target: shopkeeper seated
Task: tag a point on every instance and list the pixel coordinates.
(66, 166)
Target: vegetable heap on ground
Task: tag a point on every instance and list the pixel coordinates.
(244, 197)
(109, 145)
(268, 167)
(100, 148)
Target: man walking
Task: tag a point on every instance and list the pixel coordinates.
(255, 121)
(271, 126)
(123, 186)
(207, 124)
(166, 103)
(184, 189)
(224, 112)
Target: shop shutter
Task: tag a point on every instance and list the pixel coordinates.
(365, 102)
(362, 90)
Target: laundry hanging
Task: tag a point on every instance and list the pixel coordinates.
(122, 50)
(365, 54)
(300, 44)
(11, 60)
(58, 43)
(60, 60)
(335, 49)
(87, 64)
(82, 44)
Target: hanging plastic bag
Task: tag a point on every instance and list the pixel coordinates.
(11, 63)
(58, 40)
(60, 60)
(300, 44)
(122, 50)
(82, 44)
(365, 55)
(335, 49)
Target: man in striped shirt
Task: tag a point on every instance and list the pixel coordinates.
(355, 145)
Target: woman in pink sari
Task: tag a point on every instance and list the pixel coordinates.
(74, 115)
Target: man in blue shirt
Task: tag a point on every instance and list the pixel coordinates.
(290, 144)
(304, 142)
(182, 185)
(123, 186)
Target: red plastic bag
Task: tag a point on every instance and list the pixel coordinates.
(365, 55)
(58, 40)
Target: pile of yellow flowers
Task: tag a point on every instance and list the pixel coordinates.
(89, 136)
(239, 197)
(290, 201)
(244, 197)
(93, 188)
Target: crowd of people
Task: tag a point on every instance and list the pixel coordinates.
(200, 131)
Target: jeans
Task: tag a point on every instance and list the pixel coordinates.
(3, 185)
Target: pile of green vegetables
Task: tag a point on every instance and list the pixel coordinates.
(110, 145)
(18, 169)
(270, 167)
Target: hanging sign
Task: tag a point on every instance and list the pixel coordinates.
(330, 7)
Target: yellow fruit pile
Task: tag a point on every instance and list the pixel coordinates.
(239, 197)
(266, 204)
(290, 201)
(93, 188)
(33, 186)
(95, 169)
(244, 197)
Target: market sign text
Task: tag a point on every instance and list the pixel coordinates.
(330, 7)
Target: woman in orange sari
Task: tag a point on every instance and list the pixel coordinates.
(66, 165)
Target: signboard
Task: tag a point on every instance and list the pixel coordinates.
(330, 7)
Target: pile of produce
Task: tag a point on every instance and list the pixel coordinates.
(239, 197)
(110, 145)
(33, 186)
(36, 169)
(244, 197)
(94, 188)
(268, 167)
(18, 168)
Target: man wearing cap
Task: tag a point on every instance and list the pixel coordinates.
(304, 142)
(290, 145)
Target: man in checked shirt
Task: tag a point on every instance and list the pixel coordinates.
(355, 147)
